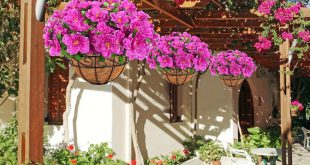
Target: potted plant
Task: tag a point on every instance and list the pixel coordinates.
(99, 37)
(179, 56)
(232, 66)
(296, 107)
(212, 152)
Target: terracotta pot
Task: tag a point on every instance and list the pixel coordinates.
(96, 71)
(177, 77)
(294, 113)
(216, 162)
(231, 81)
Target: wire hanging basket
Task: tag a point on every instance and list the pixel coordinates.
(97, 71)
(177, 76)
(294, 113)
(231, 81)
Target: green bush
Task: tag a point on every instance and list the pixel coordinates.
(211, 151)
(194, 143)
(174, 159)
(8, 143)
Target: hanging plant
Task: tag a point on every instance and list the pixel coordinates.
(296, 107)
(232, 67)
(179, 56)
(288, 17)
(99, 37)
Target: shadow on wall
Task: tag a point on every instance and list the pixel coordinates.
(156, 135)
(215, 109)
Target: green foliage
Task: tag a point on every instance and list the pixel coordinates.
(8, 143)
(9, 46)
(258, 138)
(174, 159)
(194, 143)
(99, 154)
(211, 151)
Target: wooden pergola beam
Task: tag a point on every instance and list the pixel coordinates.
(172, 12)
(31, 86)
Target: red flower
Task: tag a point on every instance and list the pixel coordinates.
(186, 151)
(173, 157)
(73, 161)
(70, 147)
(110, 156)
(133, 162)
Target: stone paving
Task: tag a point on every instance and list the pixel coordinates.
(301, 156)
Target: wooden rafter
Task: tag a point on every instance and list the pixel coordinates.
(164, 7)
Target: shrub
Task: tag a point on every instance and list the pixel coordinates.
(8, 143)
(211, 151)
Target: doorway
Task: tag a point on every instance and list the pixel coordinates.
(246, 109)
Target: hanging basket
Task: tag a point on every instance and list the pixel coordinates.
(176, 76)
(231, 81)
(294, 113)
(216, 162)
(96, 71)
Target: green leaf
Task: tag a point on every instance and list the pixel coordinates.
(134, 33)
(106, 4)
(77, 57)
(254, 130)
(121, 60)
(101, 59)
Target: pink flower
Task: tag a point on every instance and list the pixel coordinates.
(55, 47)
(284, 15)
(120, 18)
(304, 35)
(262, 44)
(295, 8)
(95, 14)
(183, 62)
(287, 35)
(266, 6)
(165, 61)
(75, 20)
(200, 64)
(186, 151)
(234, 63)
(76, 43)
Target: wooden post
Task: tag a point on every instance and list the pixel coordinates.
(285, 99)
(31, 85)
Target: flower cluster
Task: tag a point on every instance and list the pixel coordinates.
(176, 158)
(296, 105)
(262, 44)
(180, 51)
(234, 63)
(266, 6)
(304, 35)
(284, 15)
(287, 35)
(278, 14)
(101, 27)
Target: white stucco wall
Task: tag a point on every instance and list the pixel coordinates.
(7, 110)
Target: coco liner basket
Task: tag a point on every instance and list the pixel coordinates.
(231, 81)
(176, 76)
(97, 71)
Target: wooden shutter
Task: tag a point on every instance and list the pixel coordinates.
(57, 84)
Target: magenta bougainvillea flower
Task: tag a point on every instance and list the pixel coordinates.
(263, 44)
(304, 35)
(101, 27)
(180, 51)
(287, 35)
(284, 15)
(266, 6)
(232, 63)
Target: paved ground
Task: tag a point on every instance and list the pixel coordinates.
(300, 155)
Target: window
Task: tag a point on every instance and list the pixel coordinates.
(57, 84)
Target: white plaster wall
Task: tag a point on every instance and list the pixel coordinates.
(215, 117)
(90, 118)
(7, 110)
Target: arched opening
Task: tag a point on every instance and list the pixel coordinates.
(246, 109)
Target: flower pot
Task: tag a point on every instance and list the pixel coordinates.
(96, 71)
(231, 81)
(177, 77)
(216, 162)
(294, 113)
